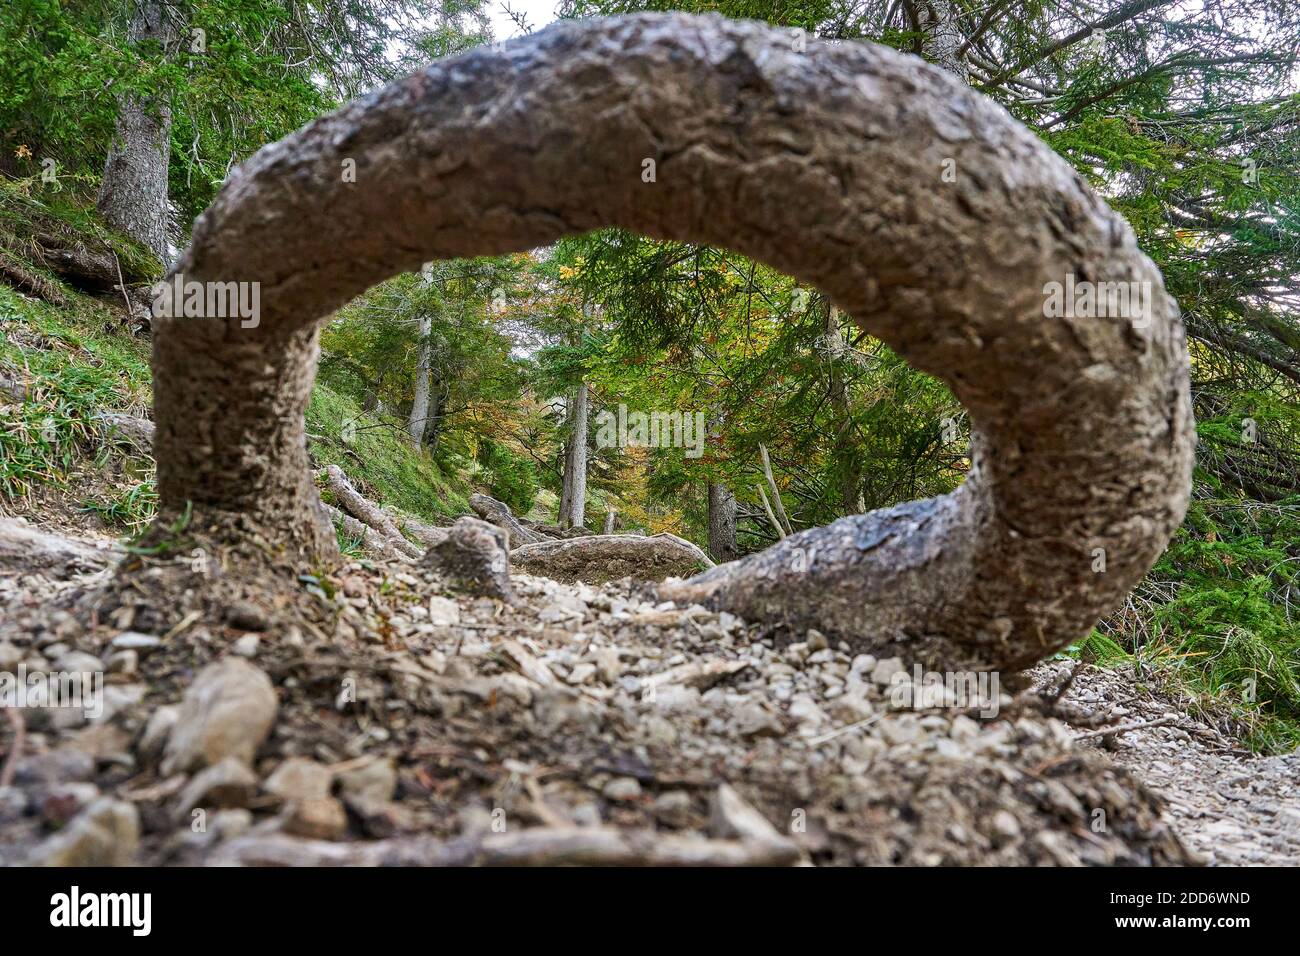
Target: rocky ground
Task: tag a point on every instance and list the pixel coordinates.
(1230, 806)
(384, 716)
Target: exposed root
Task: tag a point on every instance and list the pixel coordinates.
(598, 558)
(25, 549)
(368, 512)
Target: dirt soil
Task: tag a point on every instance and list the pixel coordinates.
(400, 724)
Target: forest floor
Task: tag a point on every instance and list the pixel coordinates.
(398, 723)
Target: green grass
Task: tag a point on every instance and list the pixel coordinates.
(79, 361)
(74, 367)
(380, 460)
(129, 508)
(72, 221)
(1217, 616)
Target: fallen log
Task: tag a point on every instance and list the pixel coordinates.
(26, 549)
(86, 269)
(368, 512)
(13, 389)
(427, 534)
(371, 539)
(25, 280)
(499, 514)
(137, 432)
(598, 558)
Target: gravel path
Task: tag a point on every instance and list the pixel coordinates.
(1232, 807)
(399, 723)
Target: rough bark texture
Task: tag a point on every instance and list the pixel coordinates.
(825, 164)
(722, 523)
(133, 195)
(573, 501)
(597, 558)
(941, 40)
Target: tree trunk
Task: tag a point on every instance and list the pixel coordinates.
(371, 401)
(437, 406)
(722, 523)
(845, 463)
(941, 38)
(419, 418)
(573, 502)
(230, 438)
(1082, 431)
(133, 195)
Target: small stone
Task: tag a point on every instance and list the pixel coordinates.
(123, 662)
(78, 662)
(582, 673)
(321, 818)
(863, 664)
(804, 711)
(754, 720)
(884, 671)
(376, 781)
(659, 731)
(734, 818)
(1005, 826)
(607, 667)
(10, 656)
(622, 789)
(118, 698)
(135, 641)
(246, 646)
(227, 712)
(817, 641)
(300, 778)
(230, 824)
(380, 818)
(475, 558)
(246, 616)
(443, 612)
(106, 833)
(156, 731)
(673, 808)
(963, 728)
(902, 730)
(227, 783)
